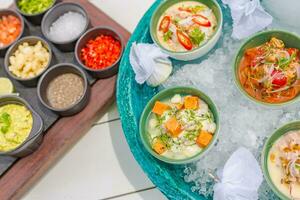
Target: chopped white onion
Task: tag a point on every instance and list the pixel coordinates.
(298, 70)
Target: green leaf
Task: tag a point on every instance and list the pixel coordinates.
(4, 129)
(5, 122)
(196, 36)
(284, 62)
(165, 139)
(196, 9)
(168, 35)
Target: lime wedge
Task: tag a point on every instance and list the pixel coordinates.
(6, 86)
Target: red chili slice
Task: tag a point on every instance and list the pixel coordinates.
(292, 50)
(185, 9)
(184, 40)
(164, 24)
(201, 20)
(279, 80)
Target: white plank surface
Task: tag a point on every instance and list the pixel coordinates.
(99, 166)
(148, 194)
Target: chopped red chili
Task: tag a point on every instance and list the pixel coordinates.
(101, 52)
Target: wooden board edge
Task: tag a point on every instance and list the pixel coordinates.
(27, 171)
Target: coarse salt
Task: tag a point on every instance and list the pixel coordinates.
(67, 27)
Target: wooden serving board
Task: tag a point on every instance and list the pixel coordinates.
(66, 131)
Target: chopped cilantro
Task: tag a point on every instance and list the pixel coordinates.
(168, 35)
(284, 62)
(196, 36)
(165, 139)
(196, 9)
(5, 121)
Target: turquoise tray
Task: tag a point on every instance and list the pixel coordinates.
(131, 100)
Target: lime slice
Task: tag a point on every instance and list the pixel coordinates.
(6, 86)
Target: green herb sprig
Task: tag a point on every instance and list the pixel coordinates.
(5, 122)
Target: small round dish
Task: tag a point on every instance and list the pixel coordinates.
(5, 12)
(194, 53)
(31, 40)
(92, 34)
(52, 73)
(35, 137)
(34, 18)
(266, 150)
(53, 14)
(290, 40)
(168, 93)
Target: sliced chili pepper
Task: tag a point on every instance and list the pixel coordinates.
(164, 24)
(201, 20)
(185, 9)
(184, 40)
(292, 50)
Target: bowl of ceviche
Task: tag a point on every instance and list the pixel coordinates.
(188, 29)
(281, 161)
(267, 68)
(179, 125)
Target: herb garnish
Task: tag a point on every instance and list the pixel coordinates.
(196, 36)
(168, 35)
(5, 122)
(196, 9)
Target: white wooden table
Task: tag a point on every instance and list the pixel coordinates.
(100, 165)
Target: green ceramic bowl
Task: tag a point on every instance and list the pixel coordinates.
(168, 93)
(195, 53)
(265, 154)
(290, 40)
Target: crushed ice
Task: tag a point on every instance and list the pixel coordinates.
(243, 123)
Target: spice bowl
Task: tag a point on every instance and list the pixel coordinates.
(35, 137)
(91, 35)
(35, 18)
(60, 85)
(31, 40)
(57, 13)
(6, 12)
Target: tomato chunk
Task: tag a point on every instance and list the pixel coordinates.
(279, 79)
(164, 24)
(184, 40)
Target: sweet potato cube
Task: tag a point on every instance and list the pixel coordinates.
(159, 108)
(159, 147)
(191, 102)
(204, 139)
(173, 127)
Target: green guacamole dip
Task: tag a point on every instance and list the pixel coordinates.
(15, 126)
(34, 6)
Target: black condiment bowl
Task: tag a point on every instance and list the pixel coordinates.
(6, 12)
(35, 137)
(92, 34)
(35, 19)
(32, 40)
(54, 72)
(53, 14)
